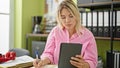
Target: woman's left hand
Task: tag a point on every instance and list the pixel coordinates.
(79, 62)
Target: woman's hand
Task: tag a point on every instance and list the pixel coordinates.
(79, 62)
(37, 63)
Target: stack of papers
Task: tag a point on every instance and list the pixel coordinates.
(23, 61)
(48, 66)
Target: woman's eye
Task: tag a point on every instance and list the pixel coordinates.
(62, 17)
(71, 16)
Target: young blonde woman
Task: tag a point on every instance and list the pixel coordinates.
(70, 30)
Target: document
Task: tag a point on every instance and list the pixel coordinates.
(23, 61)
(48, 66)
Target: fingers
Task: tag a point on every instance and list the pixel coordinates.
(78, 58)
(35, 63)
(41, 63)
(76, 64)
(77, 61)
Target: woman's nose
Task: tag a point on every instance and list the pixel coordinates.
(67, 20)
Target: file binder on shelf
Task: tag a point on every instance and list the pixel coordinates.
(94, 30)
(118, 25)
(113, 59)
(114, 23)
(106, 24)
(100, 24)
(89, 21)
(83, 17)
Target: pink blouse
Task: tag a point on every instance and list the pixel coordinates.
(57, 36)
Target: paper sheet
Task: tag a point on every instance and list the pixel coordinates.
(48, 66)
(18, 60)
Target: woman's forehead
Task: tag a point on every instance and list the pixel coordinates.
(65, 10)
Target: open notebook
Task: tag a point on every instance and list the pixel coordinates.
(22, 61)
(68, 50)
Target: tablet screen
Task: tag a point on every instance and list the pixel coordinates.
(68, 50)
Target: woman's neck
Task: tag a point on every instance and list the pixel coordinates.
(71, 32)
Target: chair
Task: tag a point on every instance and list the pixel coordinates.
(20, 51)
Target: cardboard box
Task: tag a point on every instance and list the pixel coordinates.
(101, 1)
(84, 1)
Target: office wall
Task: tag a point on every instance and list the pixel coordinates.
(104, 45)
(24, 10)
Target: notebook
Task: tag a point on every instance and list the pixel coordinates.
(19, 62)
(67, 50)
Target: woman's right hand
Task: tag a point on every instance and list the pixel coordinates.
(37, 63)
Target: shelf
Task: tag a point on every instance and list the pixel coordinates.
(107, 38)
(99, 5)
(46, 35)
(36, 35)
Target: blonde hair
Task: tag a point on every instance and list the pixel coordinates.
(73, 9)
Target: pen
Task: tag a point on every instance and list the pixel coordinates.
(37, 56)
(36, 53)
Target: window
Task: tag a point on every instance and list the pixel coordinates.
(4, 25)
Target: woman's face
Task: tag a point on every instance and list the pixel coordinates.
(67, 19)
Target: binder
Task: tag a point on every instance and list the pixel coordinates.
(118, 25)
(100, 24)
(114, 22)
(84, 19)
(106, 24)
(89, 21)
(81, 17)
(94, 30)
(113, 59)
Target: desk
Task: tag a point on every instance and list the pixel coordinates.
(33, 35)
(48, 66)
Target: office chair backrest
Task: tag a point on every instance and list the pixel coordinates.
(20, 51)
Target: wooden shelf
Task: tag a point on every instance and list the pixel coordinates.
(106, 38)
(99, 5)
(33, 35)
(46, 35)
(36, 35)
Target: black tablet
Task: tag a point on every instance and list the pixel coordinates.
(67, 50)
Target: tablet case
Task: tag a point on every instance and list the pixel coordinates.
(67, 50)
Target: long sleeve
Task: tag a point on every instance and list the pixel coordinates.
(90, 51)
(49, 47)
(58, 36)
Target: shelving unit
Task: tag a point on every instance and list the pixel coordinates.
(33, 35)
(111, 6)
(100, 5)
